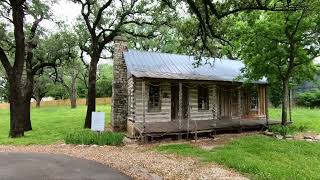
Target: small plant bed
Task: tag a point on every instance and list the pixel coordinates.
(87, 137)
(290, 132)
(284, 131)
(301, 117)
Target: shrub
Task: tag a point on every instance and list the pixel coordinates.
(309, 99)
(88, 137)
(285, 130)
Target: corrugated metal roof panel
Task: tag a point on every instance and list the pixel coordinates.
(174, 66)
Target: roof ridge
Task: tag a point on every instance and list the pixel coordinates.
(192, 56)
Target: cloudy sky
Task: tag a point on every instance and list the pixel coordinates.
(68, 12)
(63, 10)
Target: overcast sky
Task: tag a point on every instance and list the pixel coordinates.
(63, 10)
(68, 12)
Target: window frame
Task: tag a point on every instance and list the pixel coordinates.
(254, 94)
(203, 94)
(152, 102)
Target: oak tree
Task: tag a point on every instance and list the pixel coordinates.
(280, 46)
(101, 22)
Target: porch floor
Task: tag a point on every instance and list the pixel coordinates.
(172, 127)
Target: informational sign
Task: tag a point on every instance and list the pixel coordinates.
(97, 121)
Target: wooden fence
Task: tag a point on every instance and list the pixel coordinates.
(63, 102)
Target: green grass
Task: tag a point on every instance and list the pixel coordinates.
(310, 118)
(260, 157)
(88, 137)
(50, 124)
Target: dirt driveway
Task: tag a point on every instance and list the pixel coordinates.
(137, 161)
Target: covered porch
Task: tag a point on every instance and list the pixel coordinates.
(204, 126)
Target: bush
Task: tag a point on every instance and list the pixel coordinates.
(275, 94)
(88, 137)
(285, 130)
(309, 99)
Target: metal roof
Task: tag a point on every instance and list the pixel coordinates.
(174, 66)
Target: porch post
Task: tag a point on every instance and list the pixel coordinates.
(239, 106)
(267, 105)
(239, 103)
(143, 105)
(290, 105)
(180, 104)
(214, 105)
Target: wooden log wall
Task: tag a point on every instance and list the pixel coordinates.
(262, 102)
(164, 115)
(262, 99)
(195, 113)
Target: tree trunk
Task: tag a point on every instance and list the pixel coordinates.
(27, 109)
(14, 73)
(73, 93)
(27, 103)
(91, 96)
(285, 103)
(38, 102)
(17, 111)
(28, 91)
(73, 102)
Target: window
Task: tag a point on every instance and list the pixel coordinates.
(154, 97)
(254, 100)
(203, 98)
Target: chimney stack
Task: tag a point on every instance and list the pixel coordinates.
(119, 107)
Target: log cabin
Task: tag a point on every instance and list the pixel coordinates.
(161, 94)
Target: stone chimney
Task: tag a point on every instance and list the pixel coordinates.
(119, 110)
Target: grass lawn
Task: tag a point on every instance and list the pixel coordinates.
(50, 124)
(301, 116)
(260, 157)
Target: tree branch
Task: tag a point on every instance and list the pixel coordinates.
(40, 66)
(5, 61)
(98, 18)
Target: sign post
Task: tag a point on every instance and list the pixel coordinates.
(98, 121)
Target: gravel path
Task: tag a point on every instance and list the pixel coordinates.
(136, 161)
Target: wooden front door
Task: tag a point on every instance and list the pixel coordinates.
(228, 102)
(185, 101)
(174, 101)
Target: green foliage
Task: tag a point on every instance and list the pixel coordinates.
(58, 48)
(50, 124)
(42, 84)
(288, 129)
(275, 94)
(259, 48)
(82, 89)
(301, 117)
(309, 99)
(260, 157)
(104, 82)
(57, 91)
(4, 90)
(280, 46)
(88, 137)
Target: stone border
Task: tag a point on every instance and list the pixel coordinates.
(299, 136)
